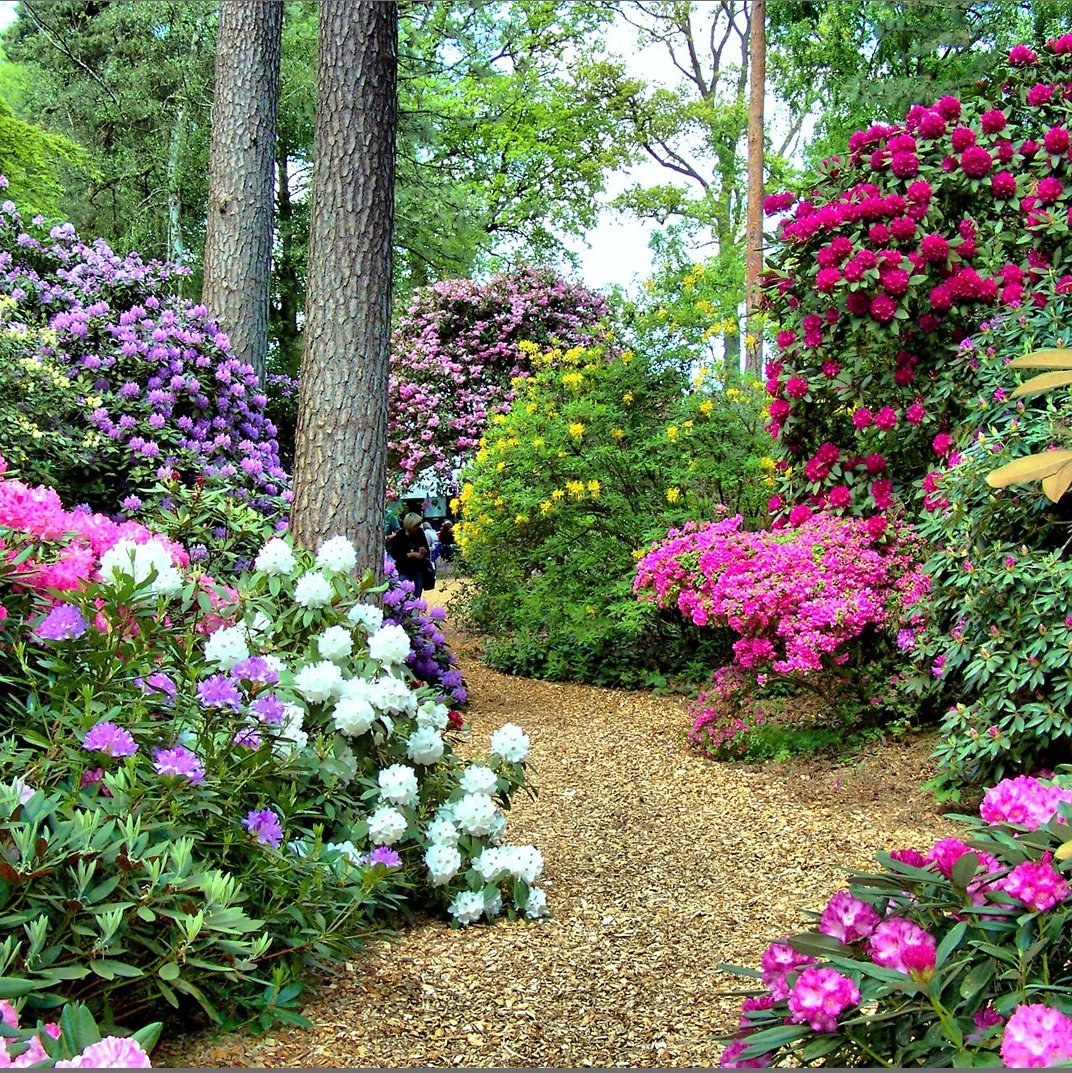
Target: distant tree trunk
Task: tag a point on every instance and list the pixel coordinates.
(286, 271)
(757, 64)
(238, 236)
(176, 247)
(341, 451)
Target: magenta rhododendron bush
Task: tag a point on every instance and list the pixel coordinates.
(796, 598)
(957, 956)
(455, 352)
(901, 248)
(830, 595)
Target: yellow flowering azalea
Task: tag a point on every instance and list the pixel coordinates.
(546, 505)
(707, 407)
(538, 441)
(594, 489)
(557, 493)
(575, 489)
(673, 495)
(627, 398)
(576, 430)
(671, 433)
(618, 433)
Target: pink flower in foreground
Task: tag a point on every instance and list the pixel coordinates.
(110, 1053)
(820, 996)
(847, 918)
(730, 1057)
(778, 960)
(903, 946)
(1037, 884)
(1035, 1037)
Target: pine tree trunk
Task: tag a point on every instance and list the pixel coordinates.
(341, 451)
(757, 57)
(238, 236)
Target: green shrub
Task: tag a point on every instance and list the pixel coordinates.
(599, 454)
(995, 653)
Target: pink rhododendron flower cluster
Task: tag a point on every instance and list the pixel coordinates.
(903, 946)
(1023, 801)
(780, 959)
(901, 247)
(76, 539)
(847, 919)
(820, 996)
(455, 352)
(112, 1052)
(1037, 1036)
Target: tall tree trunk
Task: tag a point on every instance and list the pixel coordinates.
(340, 458)
(176, 247)
(757, 64)
(286, 271)
(241, 199)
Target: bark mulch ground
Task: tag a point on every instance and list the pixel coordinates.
(660, 866)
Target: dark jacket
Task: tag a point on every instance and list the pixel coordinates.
(400, 543)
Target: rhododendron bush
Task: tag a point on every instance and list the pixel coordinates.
(205, 788)
(899, 250)
(830, 595)
(994, 655)
(153, 386)
(955, 956)
(455, 353)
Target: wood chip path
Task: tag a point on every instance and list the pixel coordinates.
(660, 866)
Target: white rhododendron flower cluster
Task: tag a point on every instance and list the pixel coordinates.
(276, 558)
(319, 678)
(337, 554)
(128, 560)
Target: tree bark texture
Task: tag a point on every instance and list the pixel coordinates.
(341, 451)
(241, 199)
(757, 75)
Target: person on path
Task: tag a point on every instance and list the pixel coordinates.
(409, 549)
(446, 541)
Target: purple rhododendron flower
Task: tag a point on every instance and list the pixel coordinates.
(110, 739)
(219, 692)
(264, 825)
(179, 762)
(63, 623)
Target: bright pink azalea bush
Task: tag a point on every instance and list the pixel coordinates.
(954, 957)
(455, 352)
(829, 595)
(896, 253)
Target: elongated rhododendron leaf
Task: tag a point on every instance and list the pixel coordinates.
(1031, 468)
(1044, 382)
(1050, 358)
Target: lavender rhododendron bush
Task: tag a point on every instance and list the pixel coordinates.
(896, 254)
(599, 453)
(155, 384)
(829, 596)
(204, 787)
(454, 355)
(953, 956)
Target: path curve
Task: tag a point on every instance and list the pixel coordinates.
(660, 866)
